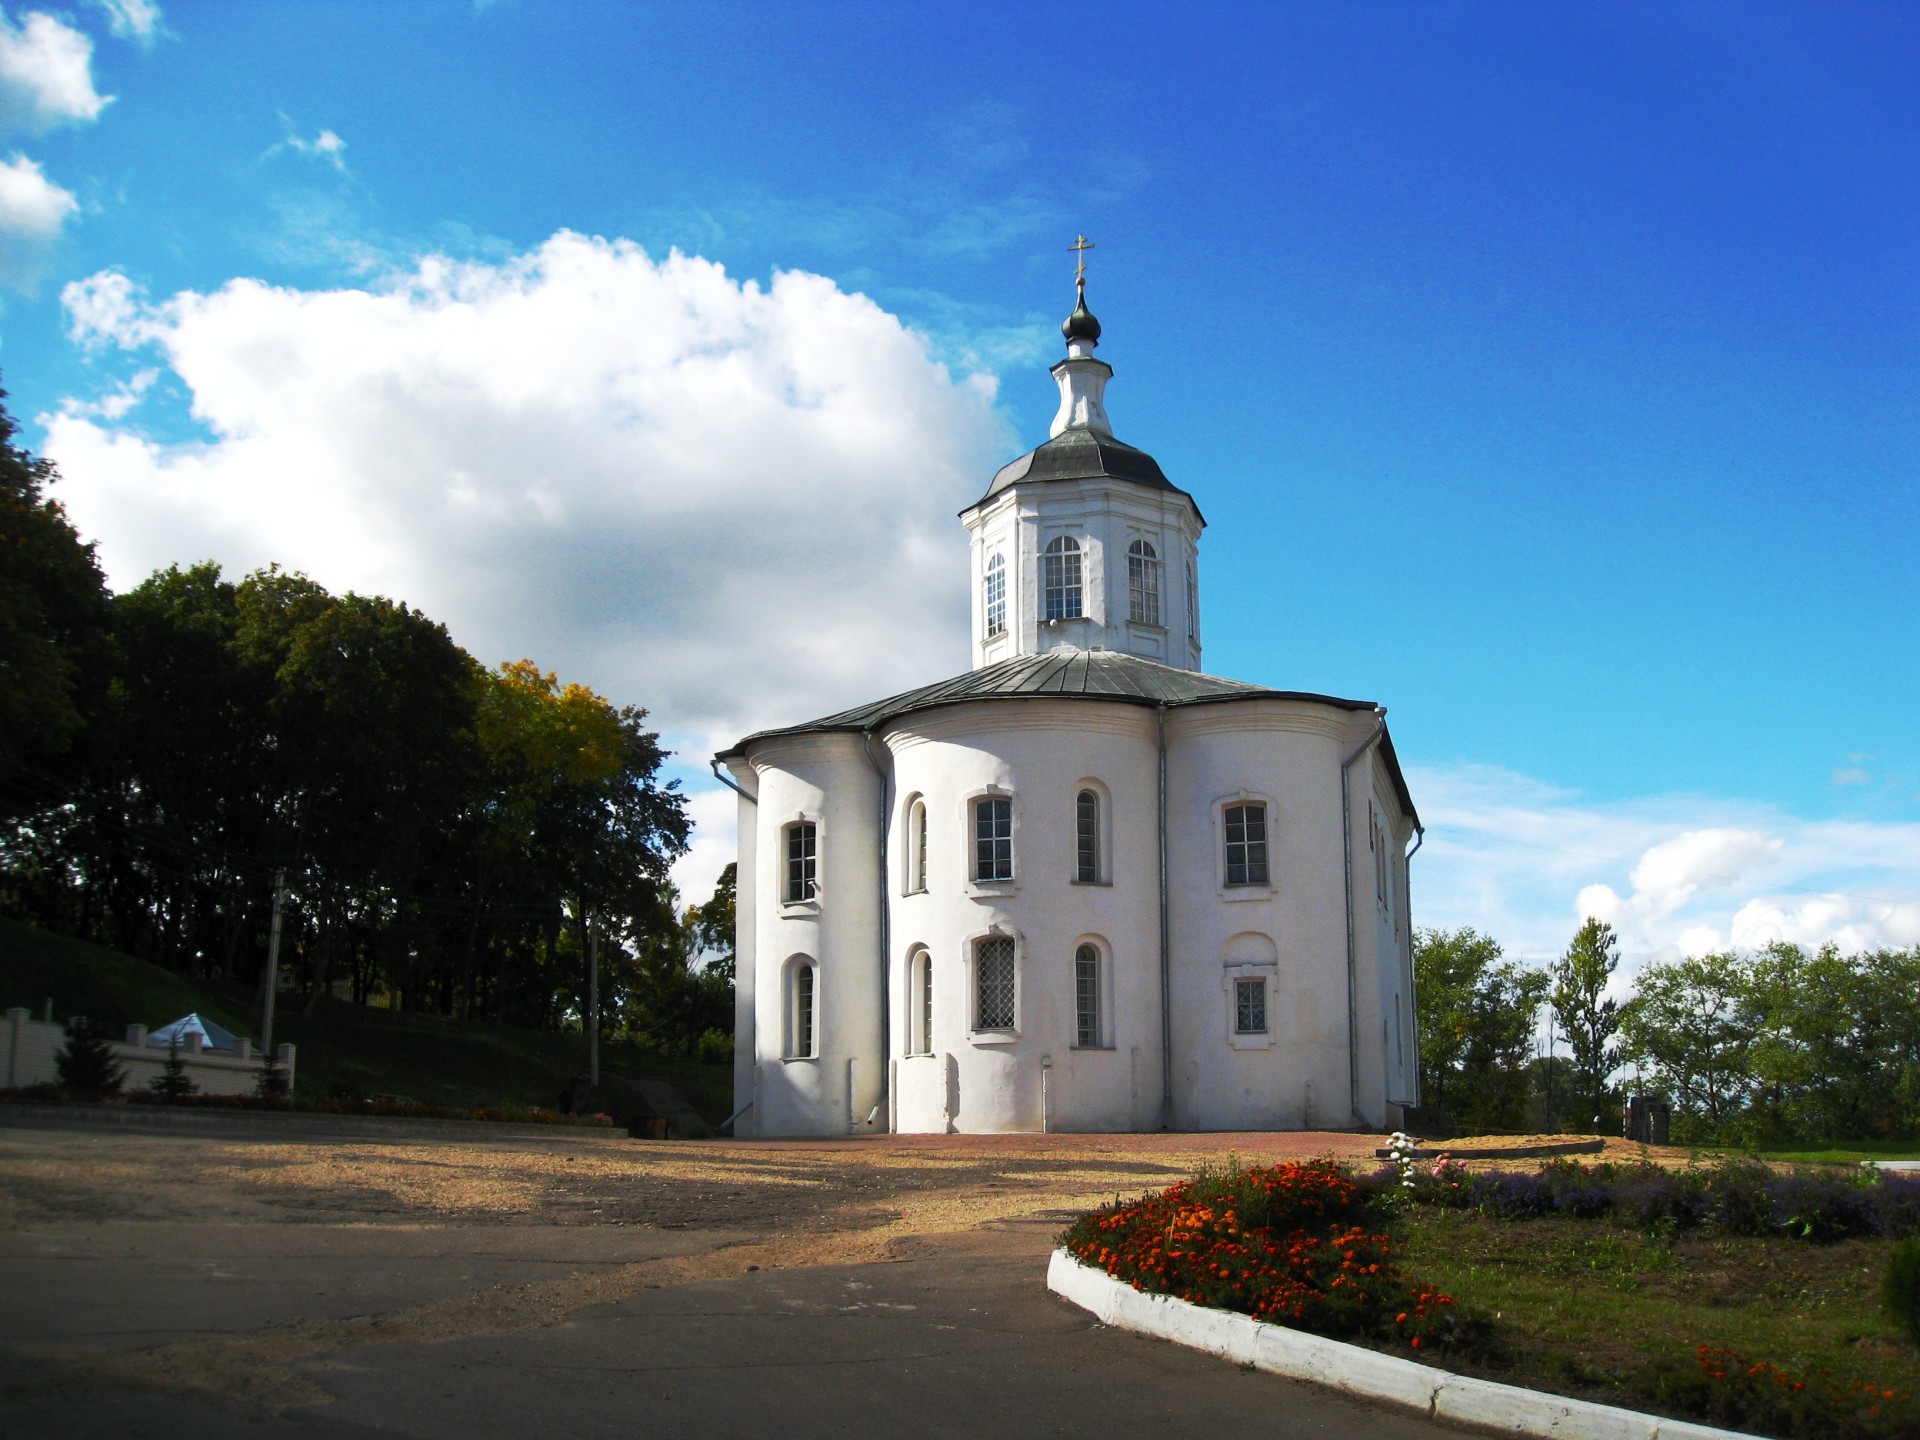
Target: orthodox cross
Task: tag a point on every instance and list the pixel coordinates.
(1080, 245)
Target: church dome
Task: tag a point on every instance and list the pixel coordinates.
(1081, 455)
(1081, 325)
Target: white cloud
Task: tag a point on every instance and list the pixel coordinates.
(135, 20)
(1527, 863)
(326, 146)
(715, 820)
(732, 504)
(32, 211)
(46, 75)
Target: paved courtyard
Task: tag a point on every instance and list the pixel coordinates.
(167, 1285)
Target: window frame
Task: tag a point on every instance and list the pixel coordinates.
(800, 1024)
(993, 585)
(1097, 1035)
(1063, 553)
(919, 1002)
(1256, 860)
(809, 899)
(1143, 585)
(1246, 889)
(913, 850)
(1089, 837)
(977, 806)
(1243, 987)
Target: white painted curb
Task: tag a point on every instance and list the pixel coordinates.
(1506, 1409)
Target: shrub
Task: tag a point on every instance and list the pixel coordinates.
(173, 1082)
(714, 1047)
(273, 1082)
(1900, 1287)
(1726, 1387)
(85, 1063)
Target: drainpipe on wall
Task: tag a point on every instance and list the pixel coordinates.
(1166, 971)
(1346, 840)
(1413, 991)
(886, 938)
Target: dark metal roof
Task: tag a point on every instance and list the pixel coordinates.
(1074, 675)
(1080, 454)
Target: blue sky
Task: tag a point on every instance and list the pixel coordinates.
(1549, 374)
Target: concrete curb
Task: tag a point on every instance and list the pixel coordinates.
(242, 1123)
(1438, 1394)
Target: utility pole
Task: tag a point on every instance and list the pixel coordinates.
(273, 964)
(593, 1003)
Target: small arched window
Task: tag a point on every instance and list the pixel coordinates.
(1086, 828)
(1143, 583)
(1086, 998)
(1060, 576)
(802, 1032)
(996, 596)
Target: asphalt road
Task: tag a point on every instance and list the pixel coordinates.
(355, 1289)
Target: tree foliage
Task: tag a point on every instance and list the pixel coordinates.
(86, 1064)
(1588, 1017)
(1477, 1021)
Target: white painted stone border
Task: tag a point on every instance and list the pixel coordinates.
(1507, 1409)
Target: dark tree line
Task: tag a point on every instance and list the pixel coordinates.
(1781, 1044)
(447, 831)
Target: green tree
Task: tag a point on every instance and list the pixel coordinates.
(711, 927)
(86, 1065)
(1587, 1016)
(1692, 1022)
(1477, 1016)
(55, 635)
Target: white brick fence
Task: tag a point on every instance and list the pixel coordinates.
(27, 1048)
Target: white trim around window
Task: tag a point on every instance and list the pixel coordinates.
(1102, 833)
(800, 1004)
(913, 845)
(797, 865)
(920, 998)
(970, 818)
(1092, 994)
(1250, 993)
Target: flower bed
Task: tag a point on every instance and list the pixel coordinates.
(1734, 1197)
(1299, 1244)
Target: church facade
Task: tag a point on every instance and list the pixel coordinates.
(1084, 886)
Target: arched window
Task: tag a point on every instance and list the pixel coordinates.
(1060, 576)
(996, 596)
(802, 982)
(993, 983)
(1086, 997)
(916, 847)
(1143, 583)
(920, 995)
(1086, 834)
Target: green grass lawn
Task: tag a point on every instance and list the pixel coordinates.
(1848, 1152)
(343, 1047)
(1593, 1308)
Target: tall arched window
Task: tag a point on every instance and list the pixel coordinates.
(802, 979)
(1060, 576)
(996, 596)
(1086, 997)
(1143, 583)
(917, 847)
(920, 1038)
(1086, 827)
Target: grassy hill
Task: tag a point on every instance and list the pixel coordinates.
(343, 1048)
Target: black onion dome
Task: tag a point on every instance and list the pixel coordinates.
(1081, 325)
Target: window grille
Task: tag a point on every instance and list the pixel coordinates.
(1246, 844)
(1250, 1007)
(993, 839)
(800, 862)
(1086, 820)
(996, 596)
(917, 847)
(1061, 578)
(1143, 583)
(926, 1004)
(1086, 997)
(993, 983)
(802, 1012)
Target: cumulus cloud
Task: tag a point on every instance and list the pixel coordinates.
(32, 211)
(326, 147)
(729, 503)
(135, 20)
(1527, 862)
(46, 75)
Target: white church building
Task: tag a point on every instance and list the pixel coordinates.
(1084, 886)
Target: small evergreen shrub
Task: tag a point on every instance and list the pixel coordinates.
(85, 1063)
(173, 1082)
(273, 1083)
(1900, 1287)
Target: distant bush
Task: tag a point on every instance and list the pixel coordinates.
(85, 1063)
(1738, 1197)
(714, 1047)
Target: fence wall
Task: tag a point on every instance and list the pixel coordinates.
(28, 1047)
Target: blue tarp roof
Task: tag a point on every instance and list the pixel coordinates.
(212, 1036)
